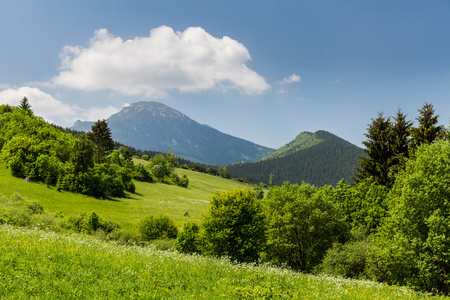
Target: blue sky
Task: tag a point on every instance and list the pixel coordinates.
(259, 70)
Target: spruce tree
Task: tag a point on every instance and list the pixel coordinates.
(100, 135)
(427, 130)
(377, 161)
(25, 105)
(400, 139)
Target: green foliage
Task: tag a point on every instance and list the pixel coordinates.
(144, 157)
(157, 227)
(376, 162)
(82, 156)
(389, 144)
(234, 226)
(141, 173)
(258, 192)
(159, 171)
(303, 223)
(412, 247)
(188, 240)
(100, 135)
(350, 259)
(182, 181)
(428, 130)
(364, 205)
(17, 211)
(25, 105)
(30, 147)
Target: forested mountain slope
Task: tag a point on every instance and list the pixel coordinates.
(318, 158)
(157, 127)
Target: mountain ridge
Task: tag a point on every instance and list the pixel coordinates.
(157, 127)
(322, 158)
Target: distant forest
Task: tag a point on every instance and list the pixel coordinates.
(325, 163)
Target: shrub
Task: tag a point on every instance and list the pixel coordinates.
(234, 226)
(349, 259)
(158, 171)
(188, 240)
(159, 227)
(180, 181)
(258, 192)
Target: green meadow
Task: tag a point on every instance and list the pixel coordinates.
(41, 264)
(37, 264)
(150, 198)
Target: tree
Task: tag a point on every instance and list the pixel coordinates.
(100, 135)
(82, 156)
(234, 226)
(427, 131)
(378, 159)
(25, 105)
(412, 247)
(303, 222)
(400, 139)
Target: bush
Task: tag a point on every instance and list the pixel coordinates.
(180, 181)
(234, 226)
(158, 171)
(258, 192)
(141, 173)
(188, 240)
(159, 227)
(349, 259)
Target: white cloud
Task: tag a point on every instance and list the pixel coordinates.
(291, 79)
(189, 61)
(98, 113)
(51, 109)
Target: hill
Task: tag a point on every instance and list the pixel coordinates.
(157, 127)
(150, 198)
(317, 158)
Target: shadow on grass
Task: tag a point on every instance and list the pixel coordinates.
(129, 197)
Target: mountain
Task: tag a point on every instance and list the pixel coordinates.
(317, 158)
(157, 127)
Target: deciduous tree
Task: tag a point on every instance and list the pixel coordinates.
(234, 226)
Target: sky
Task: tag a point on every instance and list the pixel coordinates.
(263, 71)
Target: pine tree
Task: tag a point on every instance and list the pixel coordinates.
(427, 131)
(100, 135)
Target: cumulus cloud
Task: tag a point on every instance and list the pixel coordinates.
(189, 61)
(51, 109)
(291, 79)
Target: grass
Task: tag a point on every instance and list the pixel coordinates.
(150, 198)
(38, 264)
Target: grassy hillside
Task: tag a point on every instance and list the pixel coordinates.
(150, 198)
(43, 265)
(302, 141)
